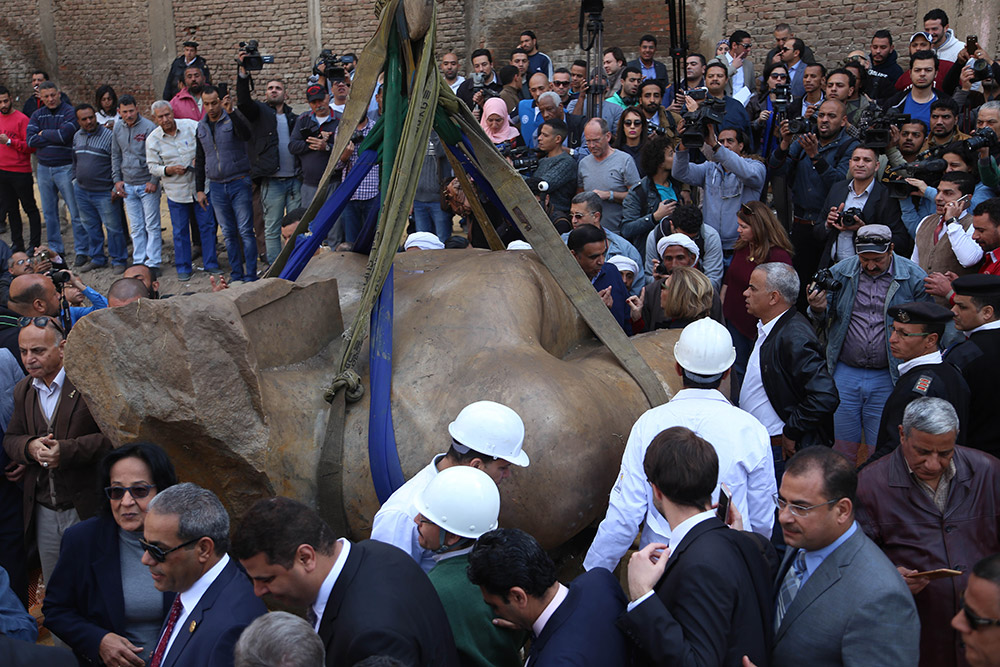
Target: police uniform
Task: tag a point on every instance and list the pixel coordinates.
(978, 359)
(929, 377)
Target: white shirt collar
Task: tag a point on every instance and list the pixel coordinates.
(763, 330)
(55, 387)
(929, 358)
(192, 596)
(684, 527)
(319, 606)
(867, 191)
(986, 327)
(550, 609)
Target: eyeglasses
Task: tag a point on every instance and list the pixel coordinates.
(578, 216)
(137, 491)
(160, 555)
(20, 262)
(631, 122)
(798, 510)
(778, 75)
(904, 334)
(746, 210)
(560, 83)
(976, 621)
(785, 48)
(746, 45)
(40, 322)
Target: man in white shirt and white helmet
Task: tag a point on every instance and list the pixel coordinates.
(704, 355)
(485, 435)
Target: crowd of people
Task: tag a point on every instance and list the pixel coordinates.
(823, 236)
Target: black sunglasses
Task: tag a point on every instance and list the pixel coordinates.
(975, 621)
(160, 555)
(138, 491)
(41, 322)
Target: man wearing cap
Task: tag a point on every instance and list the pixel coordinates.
(485, 435)
(626, 267)
(856, 318)
(704, 354)
(585, 209)
(175, 77)
(675, 251)
(977, 314)
(589, 246)
(933, 504)
(915, 340)
(312, 139)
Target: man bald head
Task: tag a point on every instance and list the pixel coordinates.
(145, 274)
(126, 290)
(33, 294)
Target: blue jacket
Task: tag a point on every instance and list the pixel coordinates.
(222, 154)
(811, 183)
(907, 285)
(97, 301)
(610, 277)
(50, 133)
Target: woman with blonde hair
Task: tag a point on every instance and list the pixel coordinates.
(761, 239)
(682, 297)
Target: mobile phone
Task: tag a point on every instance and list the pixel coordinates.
(723, 509)
(940, 573)
(971, 45)
(697, 94)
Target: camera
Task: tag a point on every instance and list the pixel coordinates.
(479, 86)
(696, 123)
(823, 281)
(984, 137)
(333, 66)
(655, 129)
(802, 125)
(698, 94)
(357, 137)
(847, 216)
(782, 98)
(981, 70)
(929, 169)
(874, 127)
(59, 278)
(253, 61)
(523, 159)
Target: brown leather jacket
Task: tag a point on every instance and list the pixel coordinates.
(904, 522)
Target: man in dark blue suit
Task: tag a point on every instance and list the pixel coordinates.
(569, 626)
(704, 599)
(589, 245)
(186, 539)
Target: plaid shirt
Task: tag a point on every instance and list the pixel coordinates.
(369, 187)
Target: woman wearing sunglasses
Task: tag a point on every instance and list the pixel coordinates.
(101, 601)
(762, 110)
(631, 134)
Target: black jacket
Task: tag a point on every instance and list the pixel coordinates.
(797, 382)
(978, 358)
(882, 79)
(898, 101)
(263, 120)
(313, 163)
(659, 67)
(880, 209)
(465, 93)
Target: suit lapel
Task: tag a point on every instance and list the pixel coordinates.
(182, 635)
(107, 570)
(64, 411)
(327, 624)
(560, 616)
(689, 539)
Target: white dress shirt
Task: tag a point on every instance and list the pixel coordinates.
(549, 610)
(192, 596)
(393, 523)
(676, 537)
(753, 398)
(746, 466)
(967, 251)
(48, 395)
(929, 358)
(844, 247)
(986, 327)
(319, 606)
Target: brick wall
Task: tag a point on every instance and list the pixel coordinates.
(20, 48)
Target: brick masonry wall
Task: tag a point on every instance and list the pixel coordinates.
(20, 47)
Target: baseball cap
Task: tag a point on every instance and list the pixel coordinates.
(873, 238)
(315, 92)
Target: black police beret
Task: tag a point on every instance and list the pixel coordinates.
(920, 312)
(977, 284)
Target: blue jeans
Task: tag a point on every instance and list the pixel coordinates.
(180, 214)
(233, 206)
(354, 217)
(96, 208)
(430, 218)
(143, 210)
(277, 196)
(52, 182)
(863, 393)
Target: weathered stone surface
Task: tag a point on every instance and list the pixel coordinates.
(231, 383)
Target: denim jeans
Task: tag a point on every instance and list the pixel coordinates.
(53, 182)
(143, 210)
(355, 215)
(863, 393)
(278, 196)
(233, 206)
(180, 214)
(430, 218)
(96, 208)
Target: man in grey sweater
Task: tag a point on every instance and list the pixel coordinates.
(93, 186)
(133, 182)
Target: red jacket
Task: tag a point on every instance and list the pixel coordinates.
(185, 106)
(15, 156)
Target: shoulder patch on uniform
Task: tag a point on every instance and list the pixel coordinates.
(923, 384)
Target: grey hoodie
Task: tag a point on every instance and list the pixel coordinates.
(128, 152)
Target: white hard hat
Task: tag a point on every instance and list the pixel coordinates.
(461, 500)
(705, 348)
(492, 429)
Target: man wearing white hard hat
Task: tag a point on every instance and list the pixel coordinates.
(459, 505)
(703, 356)
(485, 435)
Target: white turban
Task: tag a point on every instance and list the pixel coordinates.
(519, 245)
(678, 239)
(623, 263)
(423, 241)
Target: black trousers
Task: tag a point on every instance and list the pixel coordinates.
(17, 187)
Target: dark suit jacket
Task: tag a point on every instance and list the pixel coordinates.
(211, 629)
(384, 604)
(797, 382)
(81, 446)
(84, 600)
(17, 653)
(880, 209)
(582, 630)
(978, 358)
(610, 277)
(712, 605)
(661, 69)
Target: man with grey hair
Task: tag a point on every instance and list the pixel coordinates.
(279, 639)
(932, 505)
(607, 172)
(186, 536)
(787, 384)
(586, 208)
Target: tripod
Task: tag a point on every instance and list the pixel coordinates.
(678, 41)
(591, 16)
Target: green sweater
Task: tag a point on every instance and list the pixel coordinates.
(479, 642)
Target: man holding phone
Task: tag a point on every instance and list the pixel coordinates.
(906, 497)
(944, 246)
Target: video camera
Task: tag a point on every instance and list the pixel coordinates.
(523, 159)
(874, 126)
(712, 111)
(253, 61)
(782, 100)
(333, 66)
(928, 167)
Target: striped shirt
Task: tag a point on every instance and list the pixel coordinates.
(92, 159)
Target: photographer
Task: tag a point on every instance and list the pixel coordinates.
(771, 105)
(272, 164)
(365, 198)
(736, 117)
(311, 140)
(852, 302)
(655, 197)
(556, 167)
(482, 85)
(75, 292)
(730, 178)
(651, 105)
(852, 204)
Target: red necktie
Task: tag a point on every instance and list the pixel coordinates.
(161, 647)
(938, 230)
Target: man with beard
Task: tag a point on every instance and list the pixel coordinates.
(944, 125)
(628, 94)
(187, 103)
(884, 70)
(449, 70)
(651, 105)
(918, 99)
